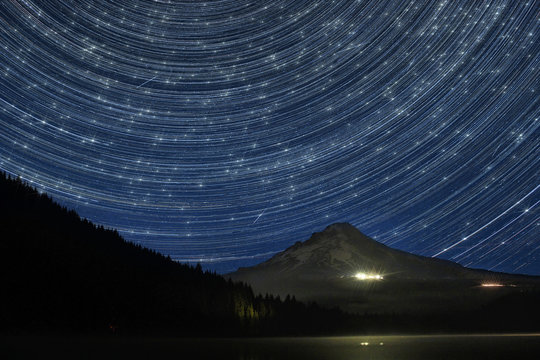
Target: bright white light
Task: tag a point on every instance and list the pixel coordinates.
(364, 276)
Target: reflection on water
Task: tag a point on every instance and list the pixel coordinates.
(392, 347)
(335, 348)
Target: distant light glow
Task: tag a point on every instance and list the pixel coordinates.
(492, 285)
(364, 276)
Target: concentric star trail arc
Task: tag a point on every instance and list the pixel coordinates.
(224, 131)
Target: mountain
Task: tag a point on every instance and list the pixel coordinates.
(343, 267)
(342, 250)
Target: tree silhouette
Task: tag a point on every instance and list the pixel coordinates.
(63, 273)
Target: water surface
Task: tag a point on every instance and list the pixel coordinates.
(462, 347)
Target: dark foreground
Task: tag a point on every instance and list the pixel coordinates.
(461, 347)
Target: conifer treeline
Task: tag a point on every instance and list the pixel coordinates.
(61, 273)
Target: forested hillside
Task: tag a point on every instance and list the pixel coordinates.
(61, 273)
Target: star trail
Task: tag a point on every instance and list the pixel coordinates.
(222, 132)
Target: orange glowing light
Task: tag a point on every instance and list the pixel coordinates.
(492, 285)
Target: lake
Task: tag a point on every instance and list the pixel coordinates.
(460, 347)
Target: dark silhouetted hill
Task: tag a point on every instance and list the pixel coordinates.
(63, 274)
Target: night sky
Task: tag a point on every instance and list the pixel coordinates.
(225, 131)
